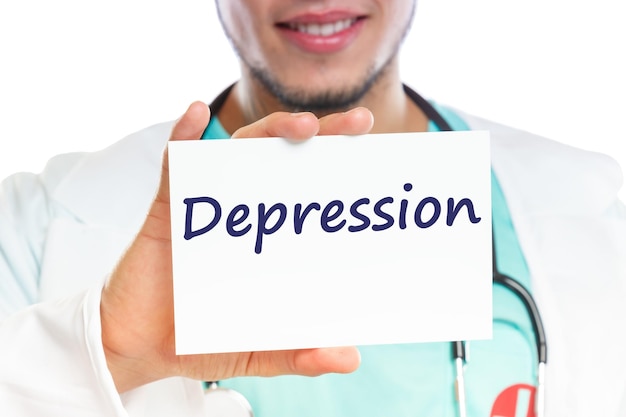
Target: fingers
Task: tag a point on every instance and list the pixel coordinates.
(306, 362)
(357, 121)
(283, 125)
(299, 126)
(315, 362)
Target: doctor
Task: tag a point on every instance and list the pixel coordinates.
(85, 274)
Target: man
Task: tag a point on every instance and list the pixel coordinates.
(98, 338)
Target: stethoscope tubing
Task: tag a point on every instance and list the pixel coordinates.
(459, 352)
(458, 347)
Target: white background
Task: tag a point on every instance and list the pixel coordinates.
(77, 74)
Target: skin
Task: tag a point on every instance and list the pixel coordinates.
(251, 27)
(137, 301)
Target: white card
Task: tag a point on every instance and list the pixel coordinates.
(339, 240)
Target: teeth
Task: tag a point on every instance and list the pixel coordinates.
(325, 29)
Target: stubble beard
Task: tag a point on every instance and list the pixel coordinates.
(325, 101)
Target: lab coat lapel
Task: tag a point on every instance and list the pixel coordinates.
(78, 255)
(576, 254)
(102, 210)
(559, 231)
(118, 195)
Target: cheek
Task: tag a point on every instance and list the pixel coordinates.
(237, 19)
(397, 23)
(248, 34)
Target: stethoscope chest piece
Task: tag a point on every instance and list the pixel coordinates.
(224, 402)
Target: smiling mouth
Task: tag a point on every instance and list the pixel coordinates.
(320, 29)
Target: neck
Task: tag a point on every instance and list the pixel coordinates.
(393, 110)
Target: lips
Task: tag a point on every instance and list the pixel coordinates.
(322, 29)
(322, 33)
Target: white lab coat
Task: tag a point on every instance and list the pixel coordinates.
(62, 231)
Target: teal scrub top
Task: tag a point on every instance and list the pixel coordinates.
(418, 379)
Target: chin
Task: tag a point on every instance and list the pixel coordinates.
(320, 91)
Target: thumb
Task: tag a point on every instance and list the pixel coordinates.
(189, 126)
(192, 123)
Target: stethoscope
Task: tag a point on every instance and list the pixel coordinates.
(225, 402)
(459, 351)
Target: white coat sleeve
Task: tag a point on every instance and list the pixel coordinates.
(50, 363)
(51, 358)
